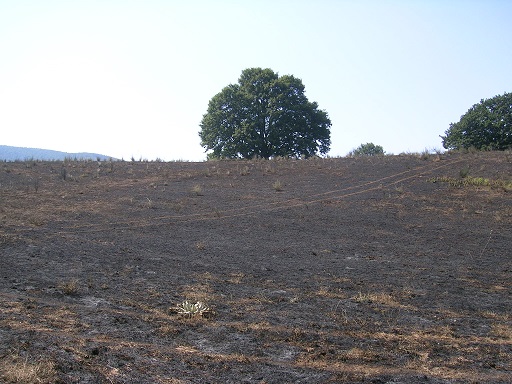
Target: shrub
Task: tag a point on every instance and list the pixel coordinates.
(368, 149)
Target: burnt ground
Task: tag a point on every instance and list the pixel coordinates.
(370, 270)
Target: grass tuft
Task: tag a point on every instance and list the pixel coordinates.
(467, 181)
(197, 190)
(69, 288)
(15, 369)
(278, 187)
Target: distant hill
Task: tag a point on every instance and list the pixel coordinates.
(8, 153)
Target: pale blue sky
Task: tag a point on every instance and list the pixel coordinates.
(133, 78)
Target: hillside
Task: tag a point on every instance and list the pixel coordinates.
(393, 269)
(8, 153)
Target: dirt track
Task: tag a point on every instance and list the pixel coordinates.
(326, 270)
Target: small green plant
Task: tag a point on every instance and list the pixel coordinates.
(189, 309)
(479, 181)
(277, 186)
(473, 181)
(197, 190)
(464, 173)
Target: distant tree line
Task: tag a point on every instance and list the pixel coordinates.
(266, 115)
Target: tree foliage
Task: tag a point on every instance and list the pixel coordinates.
(486, 126)
(264, 115)
(368, 149)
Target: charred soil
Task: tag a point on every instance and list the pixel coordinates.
(393, 269)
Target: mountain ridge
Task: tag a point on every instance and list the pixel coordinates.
(11, 153)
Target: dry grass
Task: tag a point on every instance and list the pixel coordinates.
(377, 298)
(502, 331)
(201, 291)
(330, 293)
(70, 288)
(17, 369)
(244, 171)
(359, 354)
(236, 278)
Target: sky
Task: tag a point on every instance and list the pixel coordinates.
(132, 79)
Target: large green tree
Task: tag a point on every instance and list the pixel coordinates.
(264, 115)
(486, 126)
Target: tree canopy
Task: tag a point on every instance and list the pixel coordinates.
(486, 126)
(368, 149)
(264, 115)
